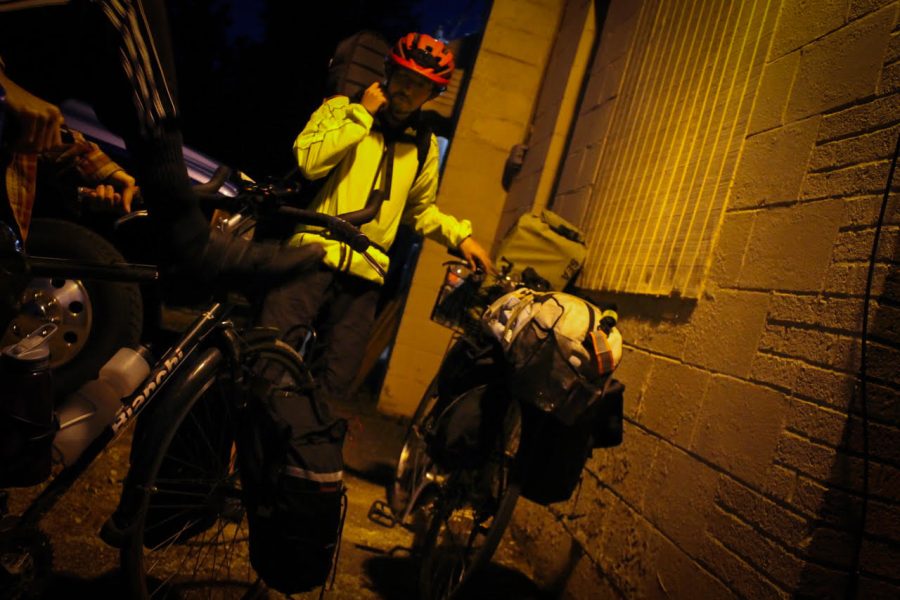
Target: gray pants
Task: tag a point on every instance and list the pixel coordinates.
(341, 309)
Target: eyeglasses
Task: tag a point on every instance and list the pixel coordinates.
(416, 82)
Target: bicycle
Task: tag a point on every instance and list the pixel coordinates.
(190, 524)
(475, 445)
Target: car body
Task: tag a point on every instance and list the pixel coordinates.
(82, 117)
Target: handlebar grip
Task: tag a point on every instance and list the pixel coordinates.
(219, 177)
(349, 233)
(84, 198)
(339, 228)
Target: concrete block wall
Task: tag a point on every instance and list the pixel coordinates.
(553, 113)
(741, 473)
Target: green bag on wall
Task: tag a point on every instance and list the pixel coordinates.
(548, 244)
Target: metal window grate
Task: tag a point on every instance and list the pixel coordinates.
(666, 161)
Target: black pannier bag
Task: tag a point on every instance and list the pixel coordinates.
(555, 453)
(292, 475)
(606, 416)
(472, 397)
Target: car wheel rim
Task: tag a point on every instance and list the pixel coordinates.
(63, 302)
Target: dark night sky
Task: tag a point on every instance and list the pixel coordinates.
(250, 72)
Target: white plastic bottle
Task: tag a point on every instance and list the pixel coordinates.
(86, 412)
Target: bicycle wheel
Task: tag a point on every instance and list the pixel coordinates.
(469, 517)
(463, 367)
(191, 538)
(413, 464)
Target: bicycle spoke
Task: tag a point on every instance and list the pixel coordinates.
(204, 550)
(232, 547)
(159, 525)
(183, 462)
(193, 539)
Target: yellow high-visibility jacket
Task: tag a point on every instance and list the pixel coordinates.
(339, 139)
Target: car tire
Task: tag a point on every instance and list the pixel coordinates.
(95, 318)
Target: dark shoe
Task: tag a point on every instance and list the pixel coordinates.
(231, 259)
(114, 531)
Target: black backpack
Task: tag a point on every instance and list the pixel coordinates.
(357, 63)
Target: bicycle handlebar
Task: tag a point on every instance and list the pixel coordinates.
(267, 199)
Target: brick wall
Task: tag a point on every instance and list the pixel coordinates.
(741, 471)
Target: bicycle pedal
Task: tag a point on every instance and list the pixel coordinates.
(381, 514)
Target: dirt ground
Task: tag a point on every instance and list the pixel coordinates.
(374, 562)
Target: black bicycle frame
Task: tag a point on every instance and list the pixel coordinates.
(163, 370)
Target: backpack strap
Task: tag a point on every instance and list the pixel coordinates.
(423, 145)
(421, 139)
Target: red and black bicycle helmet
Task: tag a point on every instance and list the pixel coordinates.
(425, 55)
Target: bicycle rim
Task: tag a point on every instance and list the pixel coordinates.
(413, 464)
(468, 519)
(191, 538)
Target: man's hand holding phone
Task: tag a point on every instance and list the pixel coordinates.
(374, 98)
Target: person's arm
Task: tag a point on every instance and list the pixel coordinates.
(475, 254)
(425, 217)
(38, 121)
(111, 185)
(336, 127)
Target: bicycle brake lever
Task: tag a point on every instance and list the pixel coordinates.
(371, 261)
(135, 214)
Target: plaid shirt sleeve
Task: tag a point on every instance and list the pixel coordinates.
(89, 161)
(91, 164)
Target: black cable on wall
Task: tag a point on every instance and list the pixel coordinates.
(853, 583)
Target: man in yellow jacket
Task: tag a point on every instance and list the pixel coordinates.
(354, 145)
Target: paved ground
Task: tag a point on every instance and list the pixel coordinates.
(375, 561)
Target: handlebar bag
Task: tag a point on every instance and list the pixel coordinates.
(292, 476)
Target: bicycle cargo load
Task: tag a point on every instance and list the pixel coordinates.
(558, 348)
(551, 247)
(292, 471)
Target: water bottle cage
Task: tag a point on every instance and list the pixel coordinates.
(23, 425)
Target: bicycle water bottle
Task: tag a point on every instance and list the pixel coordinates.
(89, 410)
(26, 410)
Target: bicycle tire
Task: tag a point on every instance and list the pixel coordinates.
(449, 560)
(208, 554)
(413, 464)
